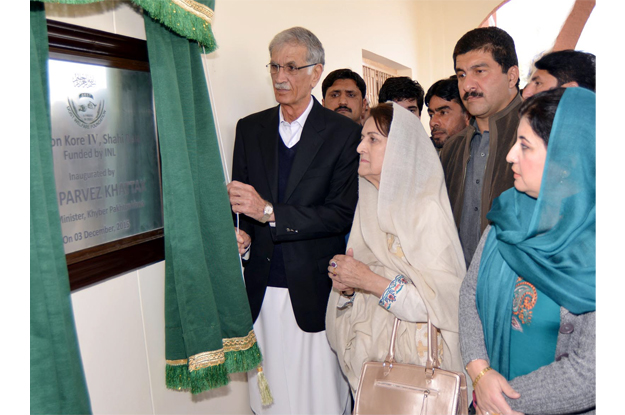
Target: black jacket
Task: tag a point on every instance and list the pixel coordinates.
(318, 208)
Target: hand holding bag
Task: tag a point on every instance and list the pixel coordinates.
(397, 388)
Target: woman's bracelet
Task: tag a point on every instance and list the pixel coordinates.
(479, 375)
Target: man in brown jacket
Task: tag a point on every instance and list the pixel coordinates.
(474, 161)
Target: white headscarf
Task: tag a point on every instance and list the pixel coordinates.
(411, 205)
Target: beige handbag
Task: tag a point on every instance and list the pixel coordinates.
(397, 388)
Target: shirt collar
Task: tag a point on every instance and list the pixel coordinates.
(302, 118)
(473, 123)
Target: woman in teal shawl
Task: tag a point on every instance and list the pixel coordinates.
(527, 304)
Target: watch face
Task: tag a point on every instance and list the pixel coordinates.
(268, 210)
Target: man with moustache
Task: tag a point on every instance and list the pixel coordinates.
(295, 187)
(344, 91)
(447, 113)
(474, 161)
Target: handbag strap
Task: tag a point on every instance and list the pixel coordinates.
(432, 356)
(432, 359)
(390, 357)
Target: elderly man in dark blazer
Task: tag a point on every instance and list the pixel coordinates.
(295, 188)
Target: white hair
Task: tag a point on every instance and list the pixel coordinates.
(304, 37)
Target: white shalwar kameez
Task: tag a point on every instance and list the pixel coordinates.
(302, 370)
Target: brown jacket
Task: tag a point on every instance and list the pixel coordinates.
(498, 175)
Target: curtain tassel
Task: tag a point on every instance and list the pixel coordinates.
(263, 386)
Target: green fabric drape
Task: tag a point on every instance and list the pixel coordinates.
(208, 321)
(57, 381)
(189, 18)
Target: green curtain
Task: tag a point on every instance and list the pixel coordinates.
(57, 381)
(208, 321)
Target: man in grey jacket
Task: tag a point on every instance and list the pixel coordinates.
(474, 161)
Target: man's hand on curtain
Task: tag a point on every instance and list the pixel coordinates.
(246, 200)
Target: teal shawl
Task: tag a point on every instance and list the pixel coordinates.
(549, 241)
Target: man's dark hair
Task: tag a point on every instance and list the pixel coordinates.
(489, 39)
(446, 89)
(343, 74)
(399, 88)
(540, 110)
(570, 66)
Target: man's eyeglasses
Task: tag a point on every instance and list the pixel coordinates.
(289, 68)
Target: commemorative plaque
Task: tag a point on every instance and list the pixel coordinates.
(105, 153)
(105, 149)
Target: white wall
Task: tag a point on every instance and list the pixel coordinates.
(120, 322)
(121, 331)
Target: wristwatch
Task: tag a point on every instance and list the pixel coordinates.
(266, 213)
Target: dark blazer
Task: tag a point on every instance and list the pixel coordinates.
(318, 208)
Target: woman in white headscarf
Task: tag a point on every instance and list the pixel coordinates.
(404, 257)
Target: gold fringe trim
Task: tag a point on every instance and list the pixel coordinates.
(201, 360)
(216, 357)
(178, 362)
(237, 344)
(206, 359)
(203, 12)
